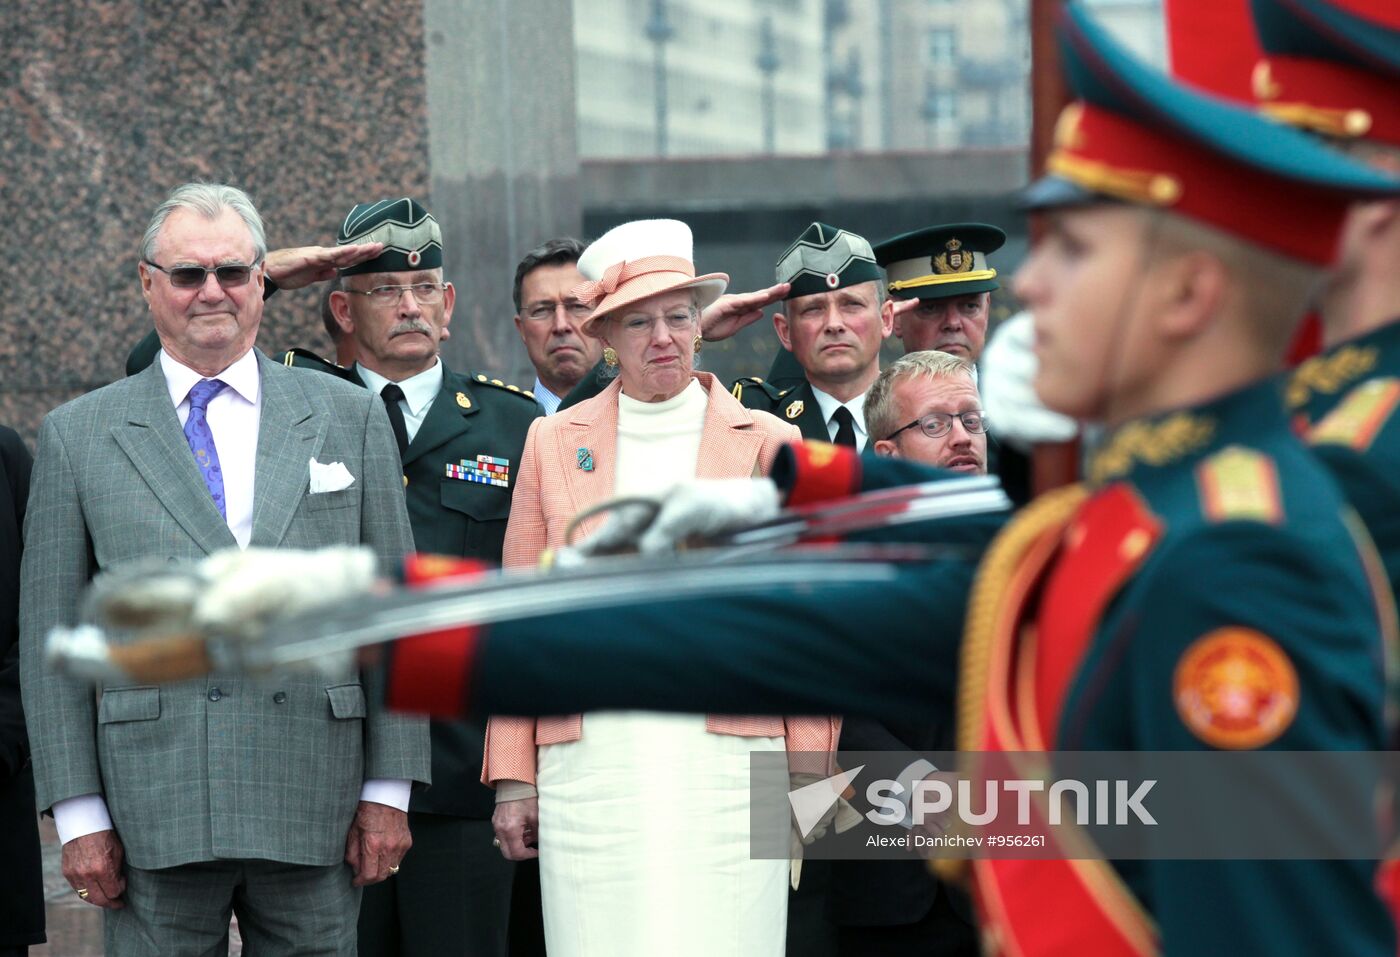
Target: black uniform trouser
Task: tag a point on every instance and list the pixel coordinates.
(451, 895)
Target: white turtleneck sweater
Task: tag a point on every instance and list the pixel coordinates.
(658, 443)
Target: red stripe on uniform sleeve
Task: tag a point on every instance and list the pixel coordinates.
(822, 472)
(431, 673)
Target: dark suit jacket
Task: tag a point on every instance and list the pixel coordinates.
(21, 880)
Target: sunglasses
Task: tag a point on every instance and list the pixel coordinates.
(229, 275)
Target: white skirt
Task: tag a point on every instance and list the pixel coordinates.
(644, 842)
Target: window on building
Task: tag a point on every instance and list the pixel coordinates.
(943, 109)
(942, 46)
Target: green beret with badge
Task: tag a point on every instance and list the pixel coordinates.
(410, 234)
(941, 261)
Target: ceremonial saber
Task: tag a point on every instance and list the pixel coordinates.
(735, 563)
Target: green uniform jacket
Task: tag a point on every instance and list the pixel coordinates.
(1245, 545)
(471, 416)
(793, 402)
(1344, 401)
(1251, 549)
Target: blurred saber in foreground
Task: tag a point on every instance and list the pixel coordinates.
(325, 636)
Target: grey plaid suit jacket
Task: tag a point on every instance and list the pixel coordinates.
(225, 767)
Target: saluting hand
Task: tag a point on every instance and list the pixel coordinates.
(300, 266)
(730, 313)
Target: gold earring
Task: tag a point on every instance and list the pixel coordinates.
(610, 356)
(699, 343)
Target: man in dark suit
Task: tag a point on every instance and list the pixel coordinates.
(179, 804)
(21, 879)
(460, 437)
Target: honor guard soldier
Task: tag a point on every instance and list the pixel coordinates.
(1200, 591)
(460, 438)
(1334, 69)
(833, 320)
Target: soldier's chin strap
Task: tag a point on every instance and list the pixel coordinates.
(1118, 335)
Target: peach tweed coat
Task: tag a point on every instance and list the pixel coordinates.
(551, 489)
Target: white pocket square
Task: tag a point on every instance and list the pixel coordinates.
(329, 478)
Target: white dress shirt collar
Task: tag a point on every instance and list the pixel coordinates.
(418, 390)
(829, 404)
(241, 377)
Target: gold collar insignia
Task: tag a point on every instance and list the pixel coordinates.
(1328, 374)
(1152, 443)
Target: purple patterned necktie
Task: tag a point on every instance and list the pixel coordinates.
(201, 440)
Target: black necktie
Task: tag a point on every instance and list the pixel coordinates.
(845, 426)
(392, 396)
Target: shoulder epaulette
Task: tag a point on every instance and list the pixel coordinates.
(497, 383)
(1359, 418)
(1239, 484)
(767, 388)
(306, 359)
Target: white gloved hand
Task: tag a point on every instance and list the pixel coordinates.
(699, 507)
(245, 589)
(709, 507)
(1016, 414)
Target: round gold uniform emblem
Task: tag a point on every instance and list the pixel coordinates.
(1236, 689)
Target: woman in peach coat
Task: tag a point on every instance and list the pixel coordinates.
(642, 819)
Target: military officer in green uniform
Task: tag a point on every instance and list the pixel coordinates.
(1200, 591)
(946, 269)
(832, 322)
(461, 437)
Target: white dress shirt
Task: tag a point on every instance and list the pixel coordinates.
(547, 400)
(233, 417)
(419, 391)
(829, 404)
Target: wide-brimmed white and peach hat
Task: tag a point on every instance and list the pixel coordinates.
(639, 259)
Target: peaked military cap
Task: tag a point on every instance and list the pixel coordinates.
(410, 234)
(826, 258)
(941, 261)
(1331, 67)
(1134, 134)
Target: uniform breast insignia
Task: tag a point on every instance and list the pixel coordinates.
(1151, 443)
(486, 470)
(585, 459)
(463, 401)
(1329, 374)
(1360, 417)
(795, 408)
(1235, 688)
(1239, 483)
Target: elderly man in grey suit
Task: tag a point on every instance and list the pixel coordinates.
(177, 805)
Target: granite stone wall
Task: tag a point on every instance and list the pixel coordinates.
(310, 106)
